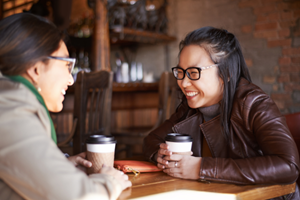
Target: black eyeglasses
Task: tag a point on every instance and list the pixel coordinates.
(193, 73)
(71, 61)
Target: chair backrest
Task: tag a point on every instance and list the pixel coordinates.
(92, 106)
(293, 122)
(169, 96)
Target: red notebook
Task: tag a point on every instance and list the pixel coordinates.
(135, 166)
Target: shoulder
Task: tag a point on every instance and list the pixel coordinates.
(251, 101)
(18, 105)
(15, 94)
(248, 94)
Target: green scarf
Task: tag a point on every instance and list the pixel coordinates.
(23, 80)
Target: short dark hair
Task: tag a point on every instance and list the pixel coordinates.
(26, 39)
(224, 50)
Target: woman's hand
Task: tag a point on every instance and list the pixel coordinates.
(183, 166)
(159, 156)
(80, 161)
(118, 175)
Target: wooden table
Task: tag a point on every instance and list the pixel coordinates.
(159, 185)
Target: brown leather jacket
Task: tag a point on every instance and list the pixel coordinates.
(261, 149)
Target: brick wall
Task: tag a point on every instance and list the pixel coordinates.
(269, 33)
(278, 22)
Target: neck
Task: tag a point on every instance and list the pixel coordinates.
(210, 111)
(25, 75)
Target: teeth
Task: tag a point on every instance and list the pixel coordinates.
(63, 91)
(190, 94)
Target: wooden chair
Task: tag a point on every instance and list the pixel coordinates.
(293, 122)
(92, 106)
(169, 99)
(65, 127)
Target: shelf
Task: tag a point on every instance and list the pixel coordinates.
(128, 87)
(119, 35)
(135, 87)
(123, 36)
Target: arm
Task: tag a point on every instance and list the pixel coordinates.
(261, 150)
(35, 168)
(268, 154)
(152, 141)
(80, 161)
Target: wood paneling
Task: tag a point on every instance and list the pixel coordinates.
(1, 9)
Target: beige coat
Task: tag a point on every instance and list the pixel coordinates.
(31, 165)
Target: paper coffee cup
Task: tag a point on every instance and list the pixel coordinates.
(100, 150)
(179, 143)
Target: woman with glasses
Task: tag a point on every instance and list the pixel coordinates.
(239, 135)
(35, 72)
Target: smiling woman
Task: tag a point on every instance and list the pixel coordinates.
(53, 78)
(35, 72)
(239, 135)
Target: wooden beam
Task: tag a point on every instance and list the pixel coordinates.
(15, 7)
(1, 9)
(101, 46)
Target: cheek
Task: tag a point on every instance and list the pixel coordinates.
(179, 83)
(51, 93)
(213, 87)
(217, 90)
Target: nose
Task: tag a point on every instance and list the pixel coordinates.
(71, 80)
(185, 82)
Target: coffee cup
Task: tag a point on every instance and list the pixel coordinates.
(179, 143)
(100, 150)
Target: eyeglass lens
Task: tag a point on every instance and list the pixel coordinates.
(70, 62)
(70, 66)
(192, 73)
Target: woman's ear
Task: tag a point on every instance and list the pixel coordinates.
(34, 73)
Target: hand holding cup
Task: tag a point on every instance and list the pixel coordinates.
(180, 163)
(179, 143)
(159, 156)
(176, 143)
(100, 151)
(118, 175)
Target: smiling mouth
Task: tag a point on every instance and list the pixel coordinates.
(191, 94)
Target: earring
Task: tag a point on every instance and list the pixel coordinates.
(39, 89)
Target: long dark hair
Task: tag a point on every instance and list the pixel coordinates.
(26, 39)
(224, 50)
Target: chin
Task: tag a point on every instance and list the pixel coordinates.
(56, 109)
(193, 106)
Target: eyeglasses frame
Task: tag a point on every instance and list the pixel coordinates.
(72, 60)
(188, 75)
